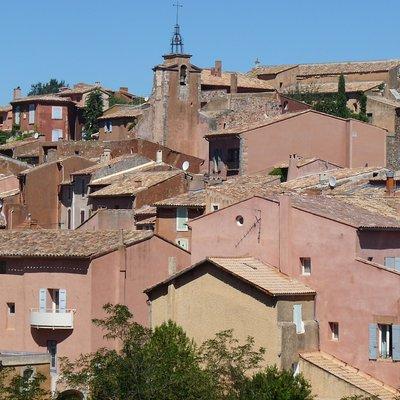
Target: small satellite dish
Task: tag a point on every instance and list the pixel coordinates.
(1, 204)
(36, 135)
(332, 182)
(185, 165)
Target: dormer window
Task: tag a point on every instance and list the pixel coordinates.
(183, 75)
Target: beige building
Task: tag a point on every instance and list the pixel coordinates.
(243, 294)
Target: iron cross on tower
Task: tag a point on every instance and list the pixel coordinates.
(176, 41)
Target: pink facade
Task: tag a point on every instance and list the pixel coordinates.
(351, 290)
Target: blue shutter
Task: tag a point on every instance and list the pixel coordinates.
(389, 262)
(397, 264)
(62, 300)
(396, 342)
(373, 341)
(42, 300)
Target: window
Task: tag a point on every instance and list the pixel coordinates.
(184, 243)
(334, 326)
(108, 126)
(215, 207)
(298, 318)
(31, 114)
(216, 158)
(56, 112)
(305, 265)
(83, 188)
(370, 117)
(280, 85)
(82, 216)
(182, 219)
(385, 341)
(56, 134)
(28, 373)
(3, 267)
(183, 75)
(233, 158)
(295, 368)
(239, 220)
(17, 116)
(11, 308)
(392, 263)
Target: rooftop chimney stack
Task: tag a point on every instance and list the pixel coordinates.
(106, 156)
(234, 83)
(123, 89)
(17, 93)
(217, 70)
(292, 167)
(390, 183)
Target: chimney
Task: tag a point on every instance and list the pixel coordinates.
(217, 70)
(17, 93)
(293, 171)
(159, 157)
(123, 89)
(106, 156)
(234, 83)
(97, 83)
(390, 183)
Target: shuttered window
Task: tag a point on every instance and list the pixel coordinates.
(396, 342)
(182, 219)
(298, 318)
(56, 112)
(392, 263)
(62, 300)
(31, 113)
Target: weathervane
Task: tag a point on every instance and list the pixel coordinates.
(176, 41)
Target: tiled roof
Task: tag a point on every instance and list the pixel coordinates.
(244, 81)
(47, 98)
(65, 243)
(303, 161)
(5, 108)
(80, 89)
(271, 69)
(243, 187)
(238, 129)
(351, 375)
(336, 68)
(189, 199)
(263, 276)
(147, 221)
(17, 143)
(347, 212)
(332, 87)
(134, 183)
(146, 210)
(122, 111)
(8, 193)
(384, 100)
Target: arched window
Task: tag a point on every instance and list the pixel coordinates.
(183, 75)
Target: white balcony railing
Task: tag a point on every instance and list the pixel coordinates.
(52, 319)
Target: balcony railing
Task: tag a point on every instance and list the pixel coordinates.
(52, 319)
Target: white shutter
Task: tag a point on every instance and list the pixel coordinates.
(62, 300)
(181, 219)
(298, 318)
(42, 300)
(31, 113)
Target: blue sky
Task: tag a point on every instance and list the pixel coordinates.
(118, 42)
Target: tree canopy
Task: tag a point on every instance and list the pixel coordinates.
(52, 86)
(166, 364)
(93, 110)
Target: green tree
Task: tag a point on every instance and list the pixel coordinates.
(52, 86)
(274, 384)
(93, 110)
(27, 386)
(342, 110)
(115, 99)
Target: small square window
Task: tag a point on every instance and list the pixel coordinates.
(305, 265)
(3, 267)
(334, 326)
(11, 308)
(215, 207)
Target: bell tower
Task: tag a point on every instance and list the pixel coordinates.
(176, 97)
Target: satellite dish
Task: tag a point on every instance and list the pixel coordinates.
(1, 204)
(36, 135)
(185, 165)
(332, 182)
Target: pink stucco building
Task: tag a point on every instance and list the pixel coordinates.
(347, 253)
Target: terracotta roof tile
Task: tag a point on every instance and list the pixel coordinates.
(122, 111)
(271, 69)
(351, 375)
(189, 199)
(64, 243)
(384, 100)
(134, 183)
(244, 81)
(80, 89)
(17, 143)
(263, 276)
(336, 68)
(47, 97)
(332, 87)
(6, 108)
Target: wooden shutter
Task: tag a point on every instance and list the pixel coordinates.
(396, 342)
(298, 318)
(42, 300)
(373, 341)
(181, 219)
(62, 300)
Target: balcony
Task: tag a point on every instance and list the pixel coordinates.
(51, 319)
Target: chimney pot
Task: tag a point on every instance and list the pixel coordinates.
(218, 68)
(123, 89)
(234, 83)
(17, 93)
